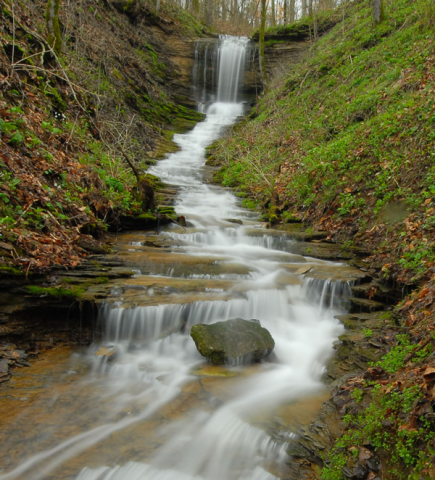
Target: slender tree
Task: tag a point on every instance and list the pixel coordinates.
(292, 13)
(261, 40)
(53, 28)
(378, 11)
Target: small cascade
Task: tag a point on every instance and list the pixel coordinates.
(232, 236)
(328, 293)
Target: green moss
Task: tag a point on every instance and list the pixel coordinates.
(57, 100)
(146, 216)
(70, 287)
(8, 270)
(53, 291)
(117, 74)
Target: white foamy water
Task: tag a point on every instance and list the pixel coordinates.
(145, 416)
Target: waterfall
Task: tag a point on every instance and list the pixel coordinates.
(232, 62)
(219, 70)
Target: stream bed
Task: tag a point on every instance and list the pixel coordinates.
(155, 409)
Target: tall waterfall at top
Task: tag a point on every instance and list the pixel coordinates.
(219, 69)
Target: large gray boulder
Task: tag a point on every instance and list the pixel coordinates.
(233, 342)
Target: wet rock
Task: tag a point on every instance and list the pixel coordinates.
(365, 305)
(233, 341)
(300, 232)
(213, 371)
(4, 365)
(377, 291)
(108, 351)
(374, 464)
(234, 220)
(324, 251)
(89, 244)
(355, 472)
(341, 273)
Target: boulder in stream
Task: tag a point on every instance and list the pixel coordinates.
(233, 342)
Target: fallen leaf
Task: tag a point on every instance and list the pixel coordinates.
(429, 374)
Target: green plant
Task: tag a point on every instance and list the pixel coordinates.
(367, 332)
(368, 426)
(357, 395)
(395, 358)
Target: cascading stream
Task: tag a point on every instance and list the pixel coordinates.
(156, 412)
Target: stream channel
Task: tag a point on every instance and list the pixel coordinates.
(158, 410)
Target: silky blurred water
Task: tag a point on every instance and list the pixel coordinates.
(144, 416)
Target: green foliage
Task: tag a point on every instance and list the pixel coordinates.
(48, 127)
(357, 395)
(367, 332)
(383, 424)
(355, 134)
(395, 358)
(416, 259)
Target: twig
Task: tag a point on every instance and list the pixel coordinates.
(13, 36)
(303, 81)
(72, 131)
(30, 67)
(167, 216)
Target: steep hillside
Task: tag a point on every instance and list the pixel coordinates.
(77, 127)
(345, 141)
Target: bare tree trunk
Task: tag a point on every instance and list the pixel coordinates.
(378, 11)
(273, 13)
(261, 41)
(208, 12)
(53, 28)
(292, 13)
(315, 23)
(157, 7)
(304, 8)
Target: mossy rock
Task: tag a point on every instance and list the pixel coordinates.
(166, 210)
(233, 342)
